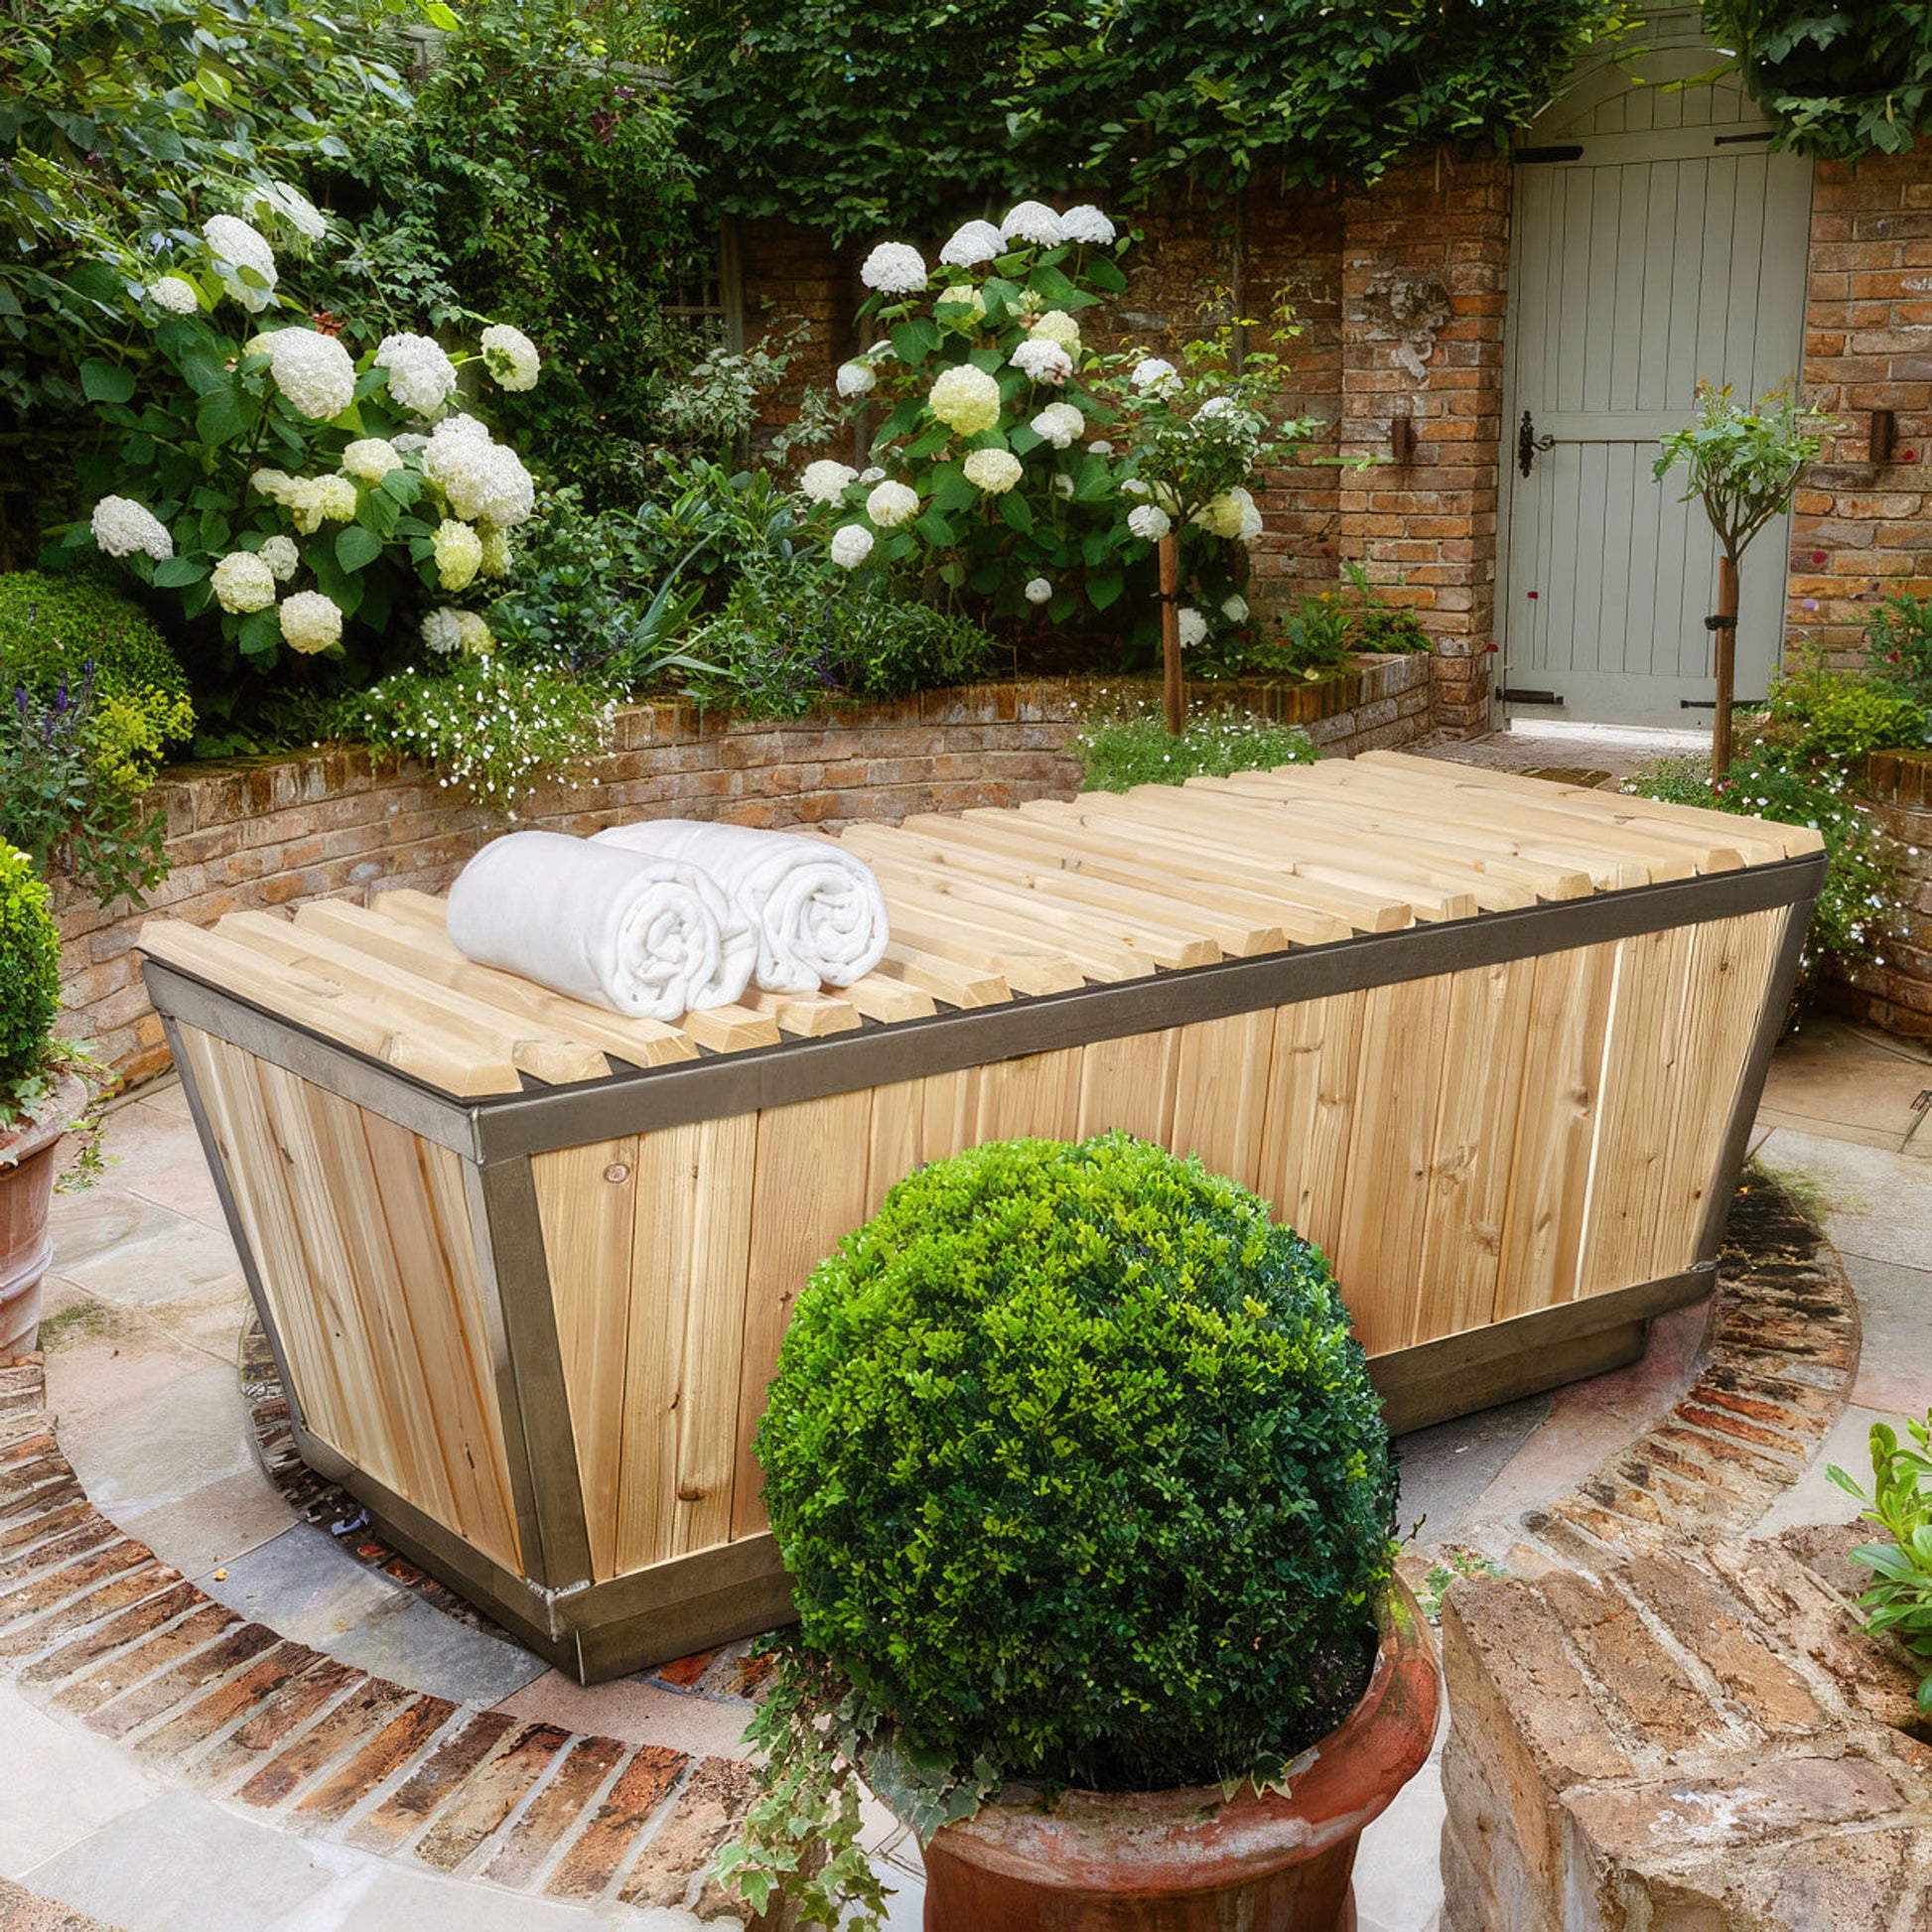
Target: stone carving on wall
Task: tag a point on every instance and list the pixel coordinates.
(1406, 308)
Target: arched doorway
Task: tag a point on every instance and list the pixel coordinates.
(1656, 240)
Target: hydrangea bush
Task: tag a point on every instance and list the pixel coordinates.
(312, 501)
(1015, 465)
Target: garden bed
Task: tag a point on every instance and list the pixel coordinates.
(250, 834)
(1894, 990)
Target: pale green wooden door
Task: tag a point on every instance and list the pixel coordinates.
(1657, 240)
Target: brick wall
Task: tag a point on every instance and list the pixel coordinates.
(1862, 528)
(275, 832)
(1894, 990)
(789, 272)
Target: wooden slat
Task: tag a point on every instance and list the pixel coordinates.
(1221, 1093)
(939, 943)
(731, 1029)
(879, 997)
(1306, 1128)
(944, 979)
(429, 954)
(808, 1193)
(1130, 1084)
(808, 1015)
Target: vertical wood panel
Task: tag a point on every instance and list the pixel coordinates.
(1310, 1111)
(1036, 1095)
(1130, 1083)
(1221, 1093)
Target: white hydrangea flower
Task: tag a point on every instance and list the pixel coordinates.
(872, 475)
(1100, 447)
(856, 379)
(1033, 222)
(894, 268)
(408, 443)
(461, 429)
(993, 471)
(315, 501)
(421, 376)
(1215, 406)
(474, 635)
(1193, 627)
(1235, 609)
(1042, 361)
(1149, 522)
(311, 370)
(891, 505)
(176, 293)
(458, 554)
(243, 582)
(276, 485)
(967, 303)
(282, 557)
(443, 632)
(851, 545)
(121, 526)
(511, 356)
(975, 242)
(233, 246)
(1063, 485)
(294, 208)
(1220, 516)
(484, 482)
(966, 399)
(1060, 423)
(1038, 590)
(1156, 375)
(1086, 224)
(824, 481)
(1057, 325)
(311, 621)
(1250, 518)
(495, 552)
(370, 459)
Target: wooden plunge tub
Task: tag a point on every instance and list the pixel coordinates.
(1493, 1044)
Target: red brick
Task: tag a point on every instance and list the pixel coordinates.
(643, 1785)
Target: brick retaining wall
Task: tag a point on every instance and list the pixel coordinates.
(268, 832)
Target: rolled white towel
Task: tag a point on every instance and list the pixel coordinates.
(651, 937)
(816, 910)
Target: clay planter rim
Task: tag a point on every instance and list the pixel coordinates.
(58, 1112)
(1191, 1840)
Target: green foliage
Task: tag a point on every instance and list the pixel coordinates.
(1072, 1457)
(1898, 644)
(1117, 753)
(1901, 1503)
(1742, 463)
(1838, 79)
(496, 724)
(30, 981)
(539, 176)
(974, 106)
(798, 634)
(1821, 714)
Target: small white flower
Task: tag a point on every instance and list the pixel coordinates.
(421, 376)
(233, 246)
(965, 305)
(1132, 487)
(966, 399)
(824, 481)
(1042, 361)
(122, 526)
(975, 242)
(1149, 522)
(891, 505)
(856, 378)
(510, 356)
(1235, 609)
(1038, 590)
(442, 632)
(311, 621)
(1087, 224)
(1100, 447)
(408, 442)
(1063, 485)
(893, 268)
(872, 475)
(1033, 222)
(1215, 406)
(281, 556)
(993, 471)
(294, 208)
(1060, 423)
(1057, 325)
(1193, 629)
(1159, 377)
(882, 352)
(851, 545)
(458, 554)
(242, 582)
(370, 459)
(176, 293)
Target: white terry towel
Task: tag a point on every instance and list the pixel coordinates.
(816, 910)
(651, 937)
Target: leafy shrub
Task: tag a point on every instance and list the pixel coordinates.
(1901, 1601)
(1818, 713)
(1900, 644)
(30, 981)
(494, 724)
(1072, 1457)
(1118, 753)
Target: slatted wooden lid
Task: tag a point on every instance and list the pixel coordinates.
(993, 903)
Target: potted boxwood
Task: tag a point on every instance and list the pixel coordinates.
(1088, 1505)
(43, 1095)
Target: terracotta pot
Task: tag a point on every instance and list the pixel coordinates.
(1189, 1861)
(29, 1159)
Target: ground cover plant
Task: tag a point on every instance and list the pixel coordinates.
(1120, 751)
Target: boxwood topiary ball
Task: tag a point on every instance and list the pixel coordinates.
(29, 966)
(1073, 1459)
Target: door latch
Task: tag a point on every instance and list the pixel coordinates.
(1529, 444)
